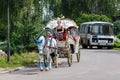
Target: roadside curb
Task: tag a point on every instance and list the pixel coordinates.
(4, 70)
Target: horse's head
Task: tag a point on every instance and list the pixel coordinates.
(44, 43)
(40, 43)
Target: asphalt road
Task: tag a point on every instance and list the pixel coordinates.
(95, 64)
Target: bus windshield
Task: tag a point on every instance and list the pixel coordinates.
(102, 29)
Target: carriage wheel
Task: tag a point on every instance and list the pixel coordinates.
(69, 54)
(78, 55)
(69, 59)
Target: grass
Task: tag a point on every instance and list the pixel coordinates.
(116, 48)
(18, 60)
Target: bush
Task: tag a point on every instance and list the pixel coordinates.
(118, 36)
(117, 43)
(16, 60)
(117, 27)
(92, 17)
(3, 61)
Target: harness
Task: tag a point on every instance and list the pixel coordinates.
(46, 41)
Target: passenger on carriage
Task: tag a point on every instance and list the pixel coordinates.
(71, 41)
(59, 28)
(60, 31)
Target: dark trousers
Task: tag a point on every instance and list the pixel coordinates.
(72, 48)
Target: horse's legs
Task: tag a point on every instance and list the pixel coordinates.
(56, 58)
(56, 61)
(48, 62)
(52, 59)
(40, 64)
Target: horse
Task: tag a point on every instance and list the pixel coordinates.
(47, 52)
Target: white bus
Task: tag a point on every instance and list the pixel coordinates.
(96, 33)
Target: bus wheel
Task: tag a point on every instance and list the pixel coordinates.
(84, 46)
(99, 47)
(110, 47)
(90, 46)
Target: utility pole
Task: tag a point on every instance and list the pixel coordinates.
(8, 36)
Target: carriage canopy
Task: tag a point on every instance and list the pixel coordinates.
(66, 23)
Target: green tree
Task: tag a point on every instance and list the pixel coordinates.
(117, 27)
(28, 17)
(25, 23)
(75, 8)
(26, 26)
(94, 17)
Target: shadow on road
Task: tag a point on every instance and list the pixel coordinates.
(35, 70)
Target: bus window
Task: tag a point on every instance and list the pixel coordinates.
(82, 29)
(88, 29)
(95, 29)
(107, 30)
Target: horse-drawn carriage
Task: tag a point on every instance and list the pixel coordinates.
(65, 45)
